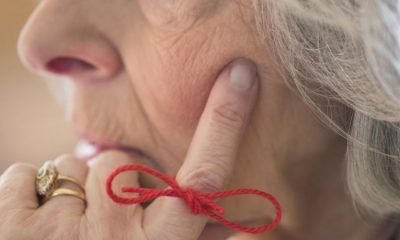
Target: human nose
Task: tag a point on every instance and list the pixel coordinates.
(58, 40)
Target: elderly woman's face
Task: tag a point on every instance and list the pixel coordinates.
(141, 70)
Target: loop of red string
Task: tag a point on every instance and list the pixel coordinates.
(199, 203)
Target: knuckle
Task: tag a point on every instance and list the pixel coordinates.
(69, 164)
(228, 115)
(64, 159)
(18, 169)
(205, 179)
(14, 178)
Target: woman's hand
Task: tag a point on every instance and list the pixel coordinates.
(207, 168)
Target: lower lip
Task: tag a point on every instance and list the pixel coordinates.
(87, 150)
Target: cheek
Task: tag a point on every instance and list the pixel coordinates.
(173, 83)
(178, 96)
(183, 76)
(172, 93)
(180, 85)
(173, 74)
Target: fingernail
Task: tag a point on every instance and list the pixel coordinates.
(243, 74)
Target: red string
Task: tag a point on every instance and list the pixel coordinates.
(199, 203)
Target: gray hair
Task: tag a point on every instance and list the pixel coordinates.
(347, 52)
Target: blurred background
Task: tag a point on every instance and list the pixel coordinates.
(32, 127)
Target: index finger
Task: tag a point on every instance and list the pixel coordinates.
(212, 153)
(214, 147)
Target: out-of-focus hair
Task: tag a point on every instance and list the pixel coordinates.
(347, 52)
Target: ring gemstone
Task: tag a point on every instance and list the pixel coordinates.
(46, 179)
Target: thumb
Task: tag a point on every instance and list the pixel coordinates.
(212, 153)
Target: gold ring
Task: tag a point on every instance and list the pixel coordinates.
(67, 192)
(48, 181)
(72, 180)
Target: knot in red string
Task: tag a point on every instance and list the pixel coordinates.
(198, 203)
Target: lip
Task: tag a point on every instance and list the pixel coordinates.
(91, 145)
(87, 149)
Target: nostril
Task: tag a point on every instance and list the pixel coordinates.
(68, 65)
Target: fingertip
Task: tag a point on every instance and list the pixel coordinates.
(242, 74)
(103, 165)
(233, 96)
(100, 169)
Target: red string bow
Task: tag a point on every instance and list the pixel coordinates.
(199, 203)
